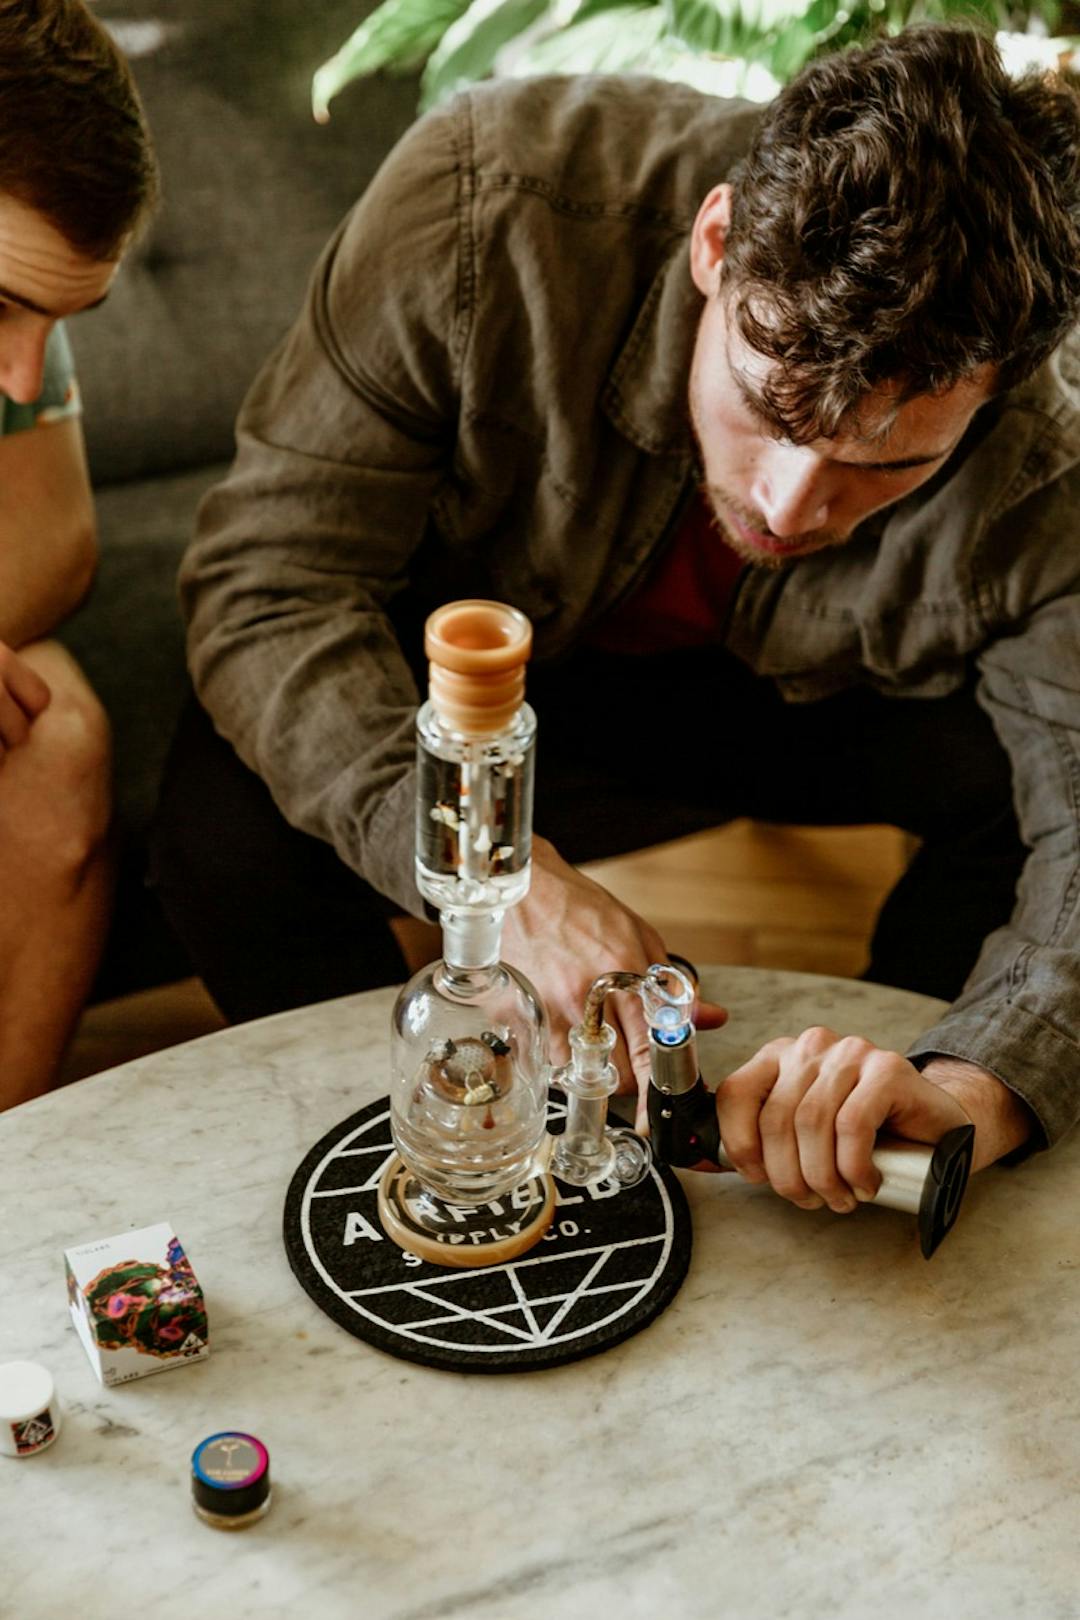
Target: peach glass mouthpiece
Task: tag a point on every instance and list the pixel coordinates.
(477, 651)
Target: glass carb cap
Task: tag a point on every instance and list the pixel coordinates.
(230, 1479)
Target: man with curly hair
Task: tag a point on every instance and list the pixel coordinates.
(770, 422)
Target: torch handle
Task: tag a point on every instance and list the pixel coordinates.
(922, 1180)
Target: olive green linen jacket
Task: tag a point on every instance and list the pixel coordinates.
(486, 394)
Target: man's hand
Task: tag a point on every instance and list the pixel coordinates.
(563, 935)
(23, 696)
(803, 1114)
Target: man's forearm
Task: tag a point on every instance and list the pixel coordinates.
(48, 541)
(32, 607)
(1002, 1120)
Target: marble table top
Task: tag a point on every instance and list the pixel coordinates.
(822, 1423)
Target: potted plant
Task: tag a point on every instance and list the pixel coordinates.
(726, 47)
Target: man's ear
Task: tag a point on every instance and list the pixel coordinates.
(708, 237)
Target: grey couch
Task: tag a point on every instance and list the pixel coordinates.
(252, 189)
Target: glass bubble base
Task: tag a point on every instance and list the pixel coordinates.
(458, 1234)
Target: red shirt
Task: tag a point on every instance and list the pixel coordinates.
(684, 598)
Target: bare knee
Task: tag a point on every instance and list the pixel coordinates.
(55, 789)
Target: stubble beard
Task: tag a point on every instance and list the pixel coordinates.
(719, 502)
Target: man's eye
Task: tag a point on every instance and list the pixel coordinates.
(885, 469)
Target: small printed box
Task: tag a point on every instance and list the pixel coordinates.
(136, 1304)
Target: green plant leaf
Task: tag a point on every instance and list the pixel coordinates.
(704, 25)
(468, 49)
(613, 41)
(592, 8)
(398, 34)
(727, 47)
(829, 25)
(792, 49)
(715, 75)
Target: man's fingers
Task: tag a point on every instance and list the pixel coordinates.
(738, 1107)
(631, 1053)
(23, 696)
(816, 1121)
(14, 723)
(862, 1114)
(637, 1046)
(798, 1070)
(890, 1095)
(23, 685)
(632, 1056)
(558, 1033)
(710, 1015)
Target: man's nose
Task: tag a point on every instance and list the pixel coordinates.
(790, 490)
(22, 360)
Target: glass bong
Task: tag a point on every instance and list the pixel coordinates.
(471, 1182)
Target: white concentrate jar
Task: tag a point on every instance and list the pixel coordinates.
(29, 1410)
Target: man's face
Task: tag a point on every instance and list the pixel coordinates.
(774, 500)
(42, 279)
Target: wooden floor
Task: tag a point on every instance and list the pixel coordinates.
(785, 897)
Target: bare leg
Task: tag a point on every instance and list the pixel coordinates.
(55, 879)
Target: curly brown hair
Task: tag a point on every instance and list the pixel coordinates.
(908, 214)
(74, 143)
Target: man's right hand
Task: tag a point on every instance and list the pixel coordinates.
(565, 933)
(23, 696)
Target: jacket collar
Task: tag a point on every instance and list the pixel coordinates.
(1045, 412)
(646, 395)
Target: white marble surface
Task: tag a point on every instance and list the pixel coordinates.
(822, 1423)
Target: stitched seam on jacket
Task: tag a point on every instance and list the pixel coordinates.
(334, 351)
(672, 444)
(465, 147)
(986, 587)
(1020, 485)
(357, 380)
(679, 223)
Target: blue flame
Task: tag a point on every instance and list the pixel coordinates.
(669, 1027)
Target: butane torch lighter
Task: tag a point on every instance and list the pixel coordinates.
(925, 1181)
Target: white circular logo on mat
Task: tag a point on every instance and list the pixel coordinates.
(574, 1285)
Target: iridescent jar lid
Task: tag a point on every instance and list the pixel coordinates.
(230, 1479)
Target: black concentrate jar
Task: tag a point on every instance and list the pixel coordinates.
(230, 1479)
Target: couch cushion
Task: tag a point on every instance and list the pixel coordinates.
(128, 635)
(252, 188)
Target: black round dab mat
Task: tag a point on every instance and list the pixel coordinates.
(608, 1266)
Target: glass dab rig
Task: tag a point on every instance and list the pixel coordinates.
(471, 1183)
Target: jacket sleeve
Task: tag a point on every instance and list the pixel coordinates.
(1019, 1013)
(342, 445)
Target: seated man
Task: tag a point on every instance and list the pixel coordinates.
(76, 175)
(768, 419)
